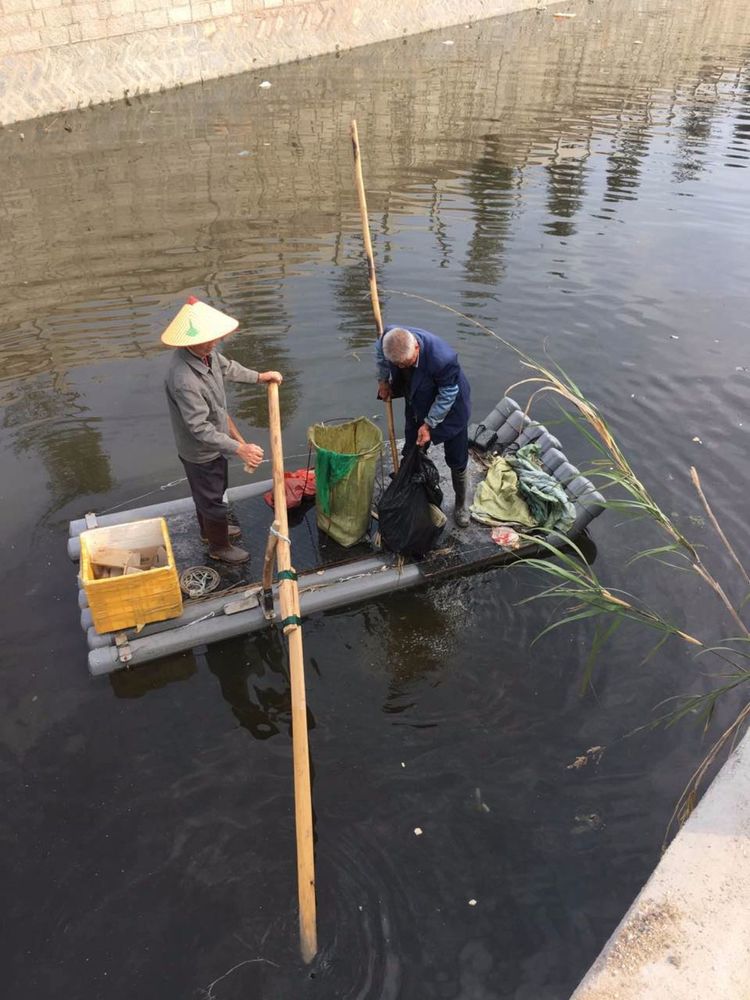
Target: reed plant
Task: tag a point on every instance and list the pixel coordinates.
(579, 594)
(582, 595)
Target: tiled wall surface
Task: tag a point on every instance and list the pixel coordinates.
(61, 54)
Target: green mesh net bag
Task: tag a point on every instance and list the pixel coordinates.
(346, 456)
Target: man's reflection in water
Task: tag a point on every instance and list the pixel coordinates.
(425, 633)
(263, 709)
(417, 635)
(152, 676)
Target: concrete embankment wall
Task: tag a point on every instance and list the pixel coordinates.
(57, 55)
(687, 935)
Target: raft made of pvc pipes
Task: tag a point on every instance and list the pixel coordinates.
(209, 607)
(107, 659)
(240, 610)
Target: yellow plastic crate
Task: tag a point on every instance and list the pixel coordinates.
(129, 601)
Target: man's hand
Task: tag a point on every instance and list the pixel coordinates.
(384, 391)
(423, 436)
(266, 377)
(251, 455)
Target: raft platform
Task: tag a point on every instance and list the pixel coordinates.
(329, 576)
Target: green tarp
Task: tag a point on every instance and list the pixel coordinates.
(517, 490)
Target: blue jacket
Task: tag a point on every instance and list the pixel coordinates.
(437, 367)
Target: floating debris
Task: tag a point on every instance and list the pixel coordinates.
(449, 41)
(697, 440)
(265, 85)
(472, 902)
(418, 831)
(479, 804)
(505, 536)
(673, 336)
(592, 755)
(244, 152)
(562, 16)
(588, 823)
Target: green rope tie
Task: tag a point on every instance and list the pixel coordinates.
(287, 574)
(290, 620)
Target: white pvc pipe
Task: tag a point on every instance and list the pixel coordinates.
(215, 605)
(153, 647)
(184, 505)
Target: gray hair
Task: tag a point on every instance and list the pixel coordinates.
(398, 345)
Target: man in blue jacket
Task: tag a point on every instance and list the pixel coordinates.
(422, 368)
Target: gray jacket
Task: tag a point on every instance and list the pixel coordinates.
(198, 404)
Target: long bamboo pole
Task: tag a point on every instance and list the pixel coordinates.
(289, 601)
(359, 181)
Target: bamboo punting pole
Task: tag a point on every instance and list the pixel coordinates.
(271, 543)
(289, 601)
(372, 276)
(267, 578)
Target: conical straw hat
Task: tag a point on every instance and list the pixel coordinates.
(197, 323)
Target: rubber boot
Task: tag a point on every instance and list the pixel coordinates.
(219, 546)
(460, 511)
(234, 529)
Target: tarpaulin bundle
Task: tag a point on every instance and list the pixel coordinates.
(297, 485)
(517, 490)
(346, 455)
(406, 510)
(545, 497)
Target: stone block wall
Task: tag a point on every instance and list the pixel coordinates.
(57, 55)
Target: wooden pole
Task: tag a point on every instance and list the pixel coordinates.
(289, 601)
(267, 578)
(271, 542)
(359, 181)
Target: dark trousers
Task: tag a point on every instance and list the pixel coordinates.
(456, 448)
(208, 481)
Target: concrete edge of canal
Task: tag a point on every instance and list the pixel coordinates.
(687, 935)
(57, 57)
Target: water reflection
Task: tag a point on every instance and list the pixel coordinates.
(566, 182)
(52, 422)
(257, 688)
(417, 641)
(490, 187)
(253, 680)
(153, 676)
(740, 148)
(625, 162)
(135, 206)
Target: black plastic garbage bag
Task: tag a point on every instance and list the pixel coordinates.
(407, 522)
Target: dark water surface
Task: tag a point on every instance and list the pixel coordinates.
(580, 185)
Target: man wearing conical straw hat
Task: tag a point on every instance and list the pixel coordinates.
(204, 432)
